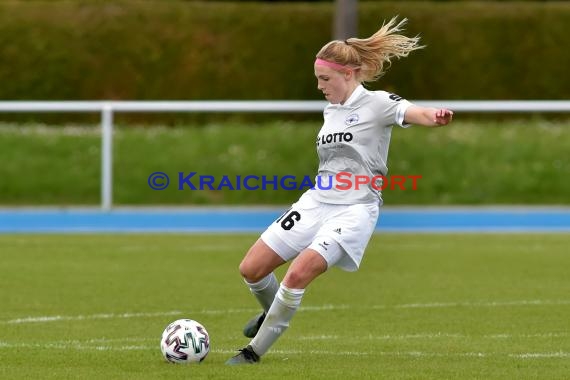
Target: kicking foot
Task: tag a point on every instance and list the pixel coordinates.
(245, 356)
(252, 327)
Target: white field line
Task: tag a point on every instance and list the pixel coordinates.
(55, 318)
(422, 336)
(438, 335)
(540, 355)
(72, 345)
(479, 304)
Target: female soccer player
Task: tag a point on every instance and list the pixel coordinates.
(331, 225)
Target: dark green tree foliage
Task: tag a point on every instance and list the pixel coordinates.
(263, 50)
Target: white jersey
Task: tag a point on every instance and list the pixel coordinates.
(354, 141)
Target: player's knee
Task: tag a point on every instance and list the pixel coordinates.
(295, 279)
(251, 273)
(245, 270)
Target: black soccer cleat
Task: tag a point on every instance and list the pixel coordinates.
(252, 327)
(246, 356)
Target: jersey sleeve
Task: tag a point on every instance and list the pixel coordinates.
(392, 108)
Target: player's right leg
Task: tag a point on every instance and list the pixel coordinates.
(304, 269)
(259, 262)
(257, 271)
(280, 242)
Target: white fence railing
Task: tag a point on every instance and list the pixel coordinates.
(108, 108)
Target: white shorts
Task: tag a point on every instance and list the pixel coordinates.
(313, 224)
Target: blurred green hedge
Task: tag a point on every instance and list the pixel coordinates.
(53, 50)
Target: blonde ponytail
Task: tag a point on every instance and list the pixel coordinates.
(371, 57)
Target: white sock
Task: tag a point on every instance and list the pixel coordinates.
(284, 306)
(265, 290)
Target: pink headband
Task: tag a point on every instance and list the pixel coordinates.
(332, 65)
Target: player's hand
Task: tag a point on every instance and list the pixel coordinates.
(443, 116)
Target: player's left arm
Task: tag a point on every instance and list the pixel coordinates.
(428, 116)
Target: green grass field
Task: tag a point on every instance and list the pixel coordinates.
(423, 306)
(521, 161)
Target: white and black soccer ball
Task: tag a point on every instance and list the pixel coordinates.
(185, 341)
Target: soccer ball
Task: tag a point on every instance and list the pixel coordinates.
(185, 341)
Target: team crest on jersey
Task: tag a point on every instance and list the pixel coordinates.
(351, 119)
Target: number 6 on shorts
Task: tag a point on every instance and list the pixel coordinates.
(288, 219)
